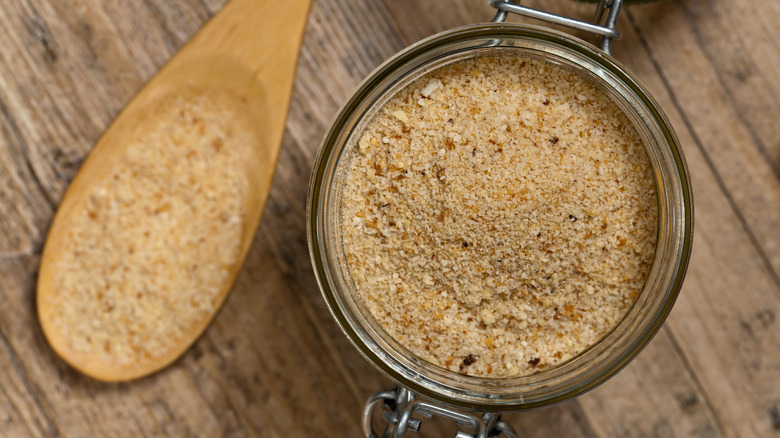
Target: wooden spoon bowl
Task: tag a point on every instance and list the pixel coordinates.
(245, 56)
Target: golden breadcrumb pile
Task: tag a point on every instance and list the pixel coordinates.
(150, 249)
(499, 216)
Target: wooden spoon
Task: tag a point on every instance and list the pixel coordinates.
(248, 50)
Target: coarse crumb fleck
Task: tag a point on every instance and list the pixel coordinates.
(151, 249)
(499, 216)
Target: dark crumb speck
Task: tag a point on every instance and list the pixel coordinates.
(553, 140)
(465, 244)
(449, 120)
(534, 362)
(546, 102)
(539, 234)
(572, 218)
(470, 359)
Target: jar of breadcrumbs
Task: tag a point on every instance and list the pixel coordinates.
(500, 218)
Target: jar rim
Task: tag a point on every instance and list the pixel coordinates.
(468, 391)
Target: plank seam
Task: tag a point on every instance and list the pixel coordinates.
(13, 358)
(699, 386)
(710, 163)
(727, 91)
(15, 408)
(170, 38)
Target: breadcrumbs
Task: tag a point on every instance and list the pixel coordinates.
(499, 216)
(150, 250)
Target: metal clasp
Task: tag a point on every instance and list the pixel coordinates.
(398, 405)
(610, 8)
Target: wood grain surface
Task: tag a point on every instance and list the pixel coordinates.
(274, 363)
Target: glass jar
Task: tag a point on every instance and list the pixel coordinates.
(600, 361)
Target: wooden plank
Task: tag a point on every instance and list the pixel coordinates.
(17, 219)
(730, 289)
(655, 396)
(19, 409)
(740, 162)
(739, 39)
(562, 420)
(10, 419)
(418, 20)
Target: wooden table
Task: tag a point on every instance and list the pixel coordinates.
(274, 363)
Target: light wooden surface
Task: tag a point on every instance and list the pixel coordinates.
(273, 363)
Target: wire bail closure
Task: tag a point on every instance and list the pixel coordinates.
(398, 405)
(607, 31)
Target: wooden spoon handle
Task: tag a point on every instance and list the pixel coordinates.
(261, 36)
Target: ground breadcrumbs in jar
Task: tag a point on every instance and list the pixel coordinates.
(499, 216)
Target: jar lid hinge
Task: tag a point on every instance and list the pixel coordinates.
(610, 8)
(397, 406)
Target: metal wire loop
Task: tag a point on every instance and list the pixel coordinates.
(398, 406)
(607, 31)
